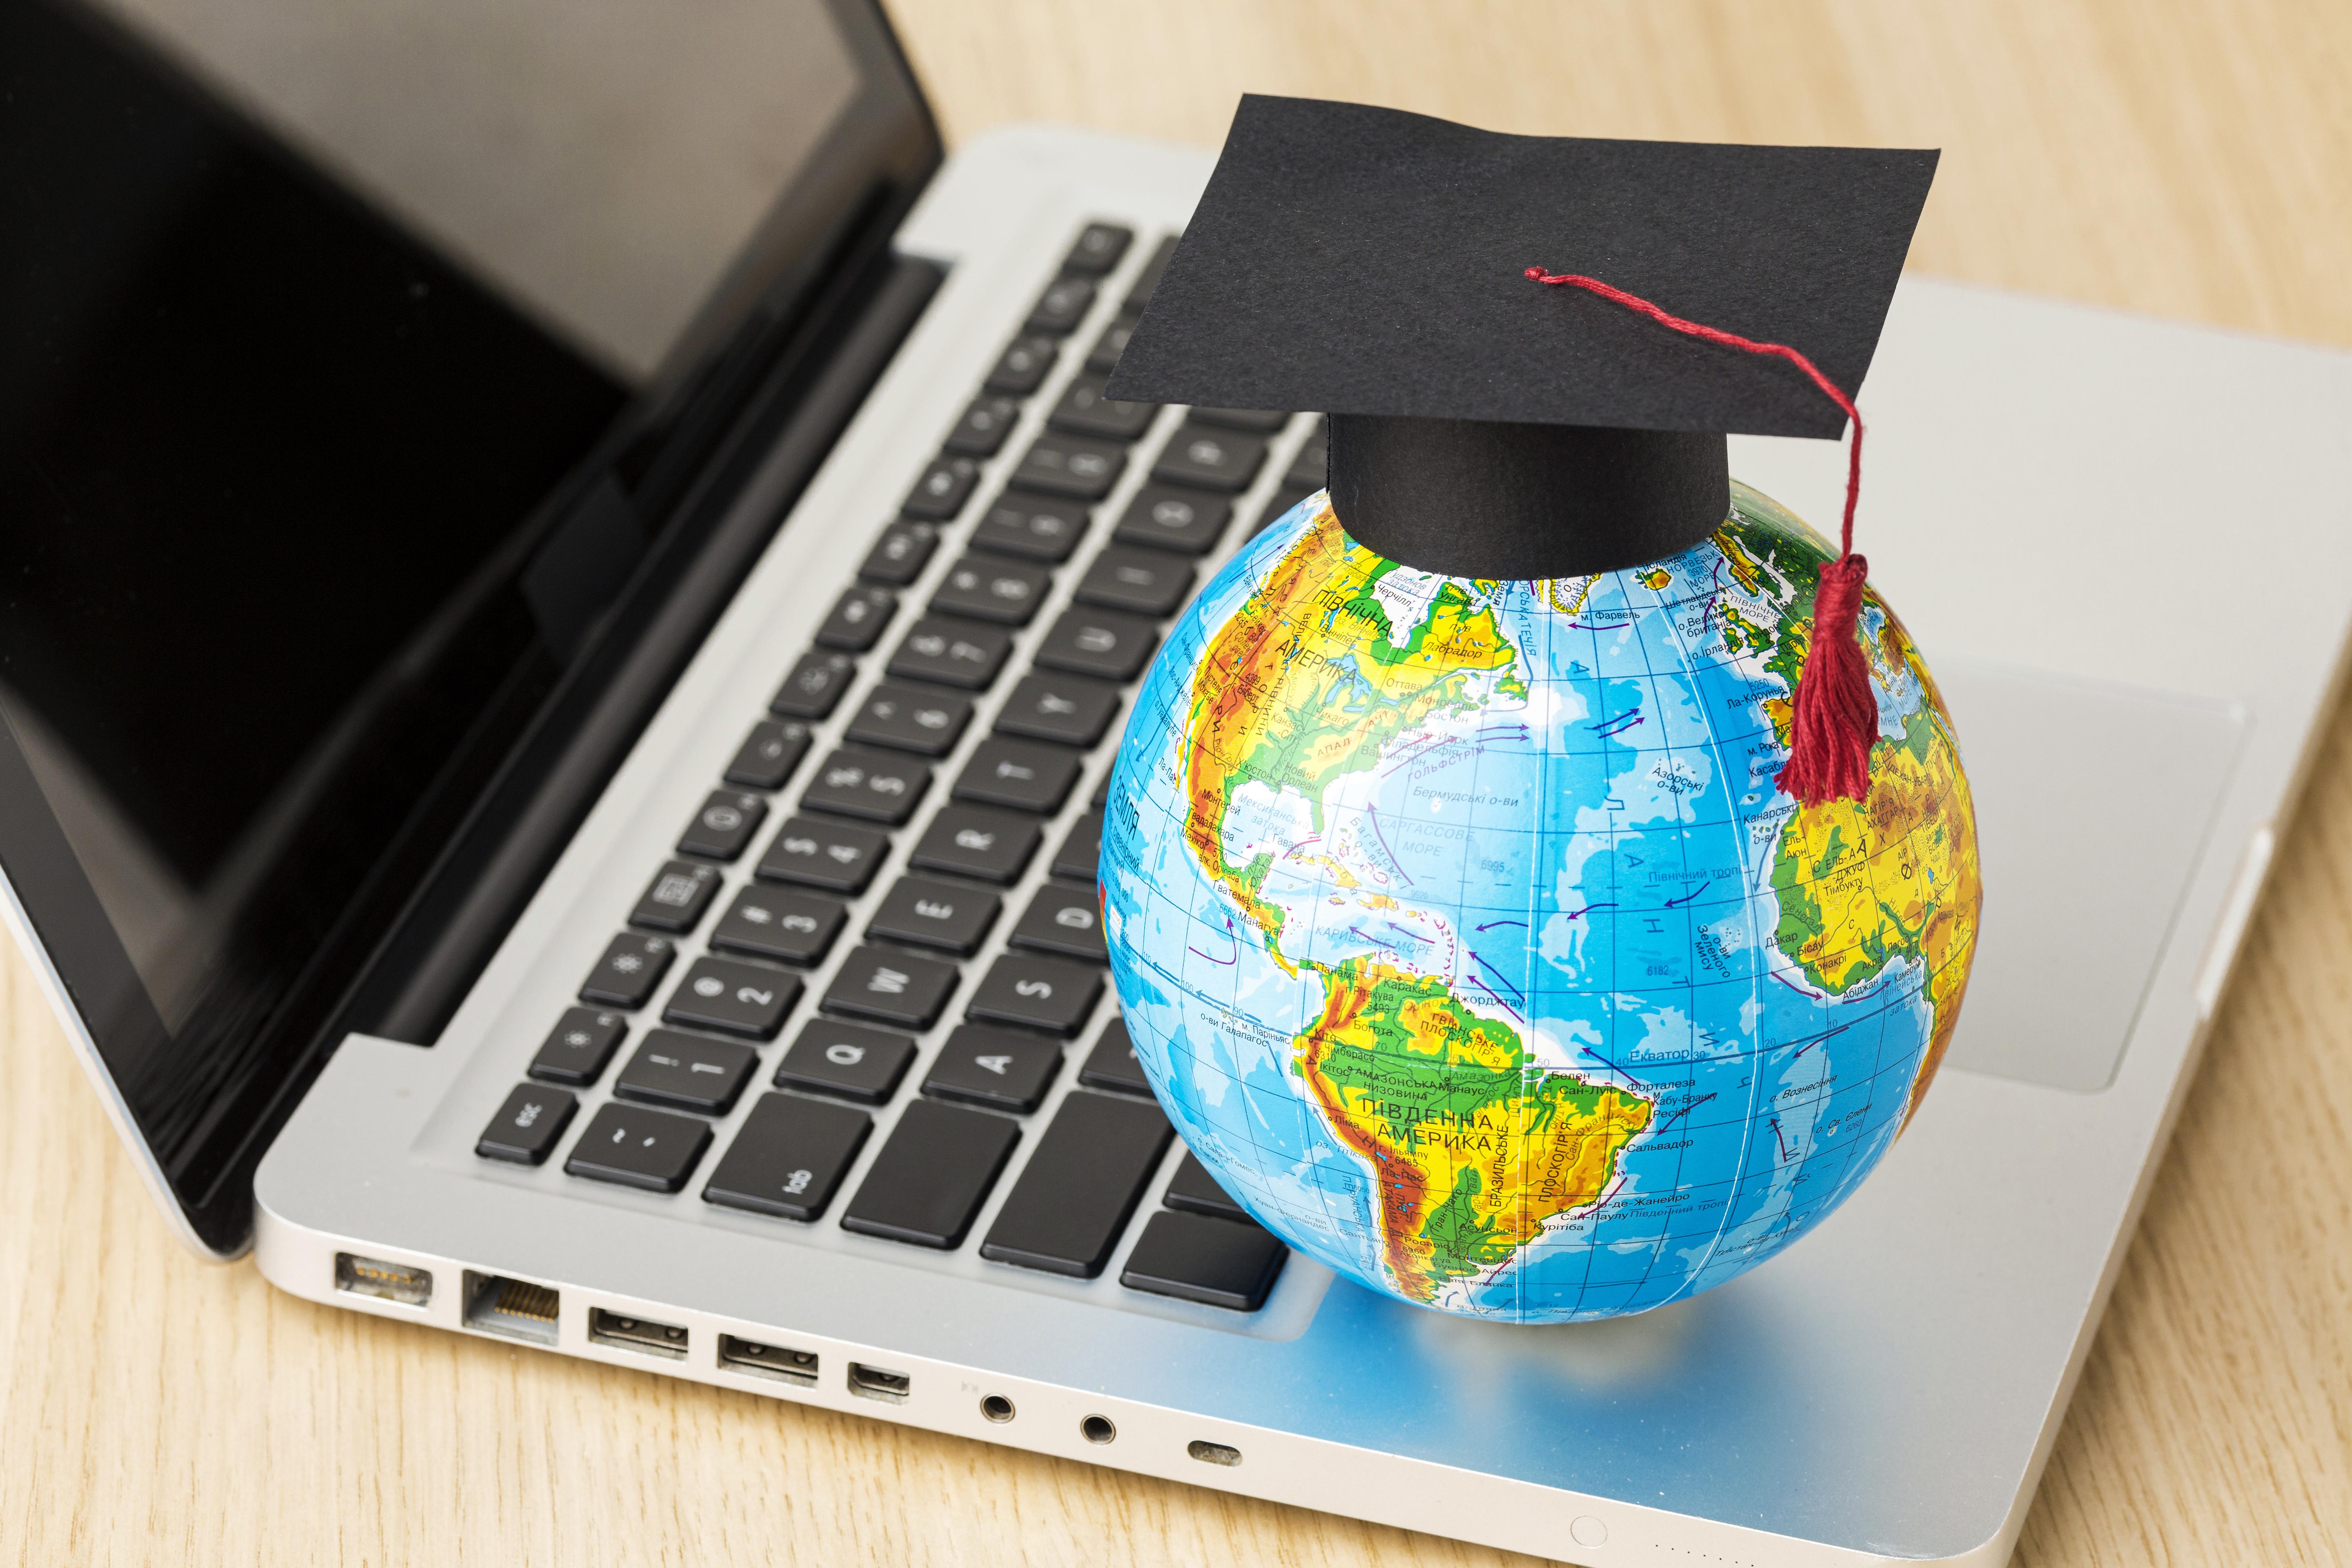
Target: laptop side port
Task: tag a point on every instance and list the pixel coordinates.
(398, 1282)
(637, 1334)
(1213, 1452)
(875, 1382)
(767, 1361)
(515, 1307)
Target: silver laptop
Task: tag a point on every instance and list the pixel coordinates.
(516, 840)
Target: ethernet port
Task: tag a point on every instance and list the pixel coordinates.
(515, 1307)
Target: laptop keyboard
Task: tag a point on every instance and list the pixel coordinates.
(849, 784)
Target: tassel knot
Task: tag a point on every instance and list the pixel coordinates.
(1835, 720)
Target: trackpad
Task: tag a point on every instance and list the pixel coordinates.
(2093, 804)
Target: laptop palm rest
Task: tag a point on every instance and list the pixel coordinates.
(2093, 804)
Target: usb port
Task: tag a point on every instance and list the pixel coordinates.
(876, 1384)
(515, 1307)
(635, 1335)
(385, 1281)
(767, 1361)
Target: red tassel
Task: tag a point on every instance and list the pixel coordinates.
(1836, 717)
(1835, 720)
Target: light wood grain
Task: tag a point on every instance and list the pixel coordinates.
(2187, 157)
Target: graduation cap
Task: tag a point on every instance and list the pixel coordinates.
(1388, 268)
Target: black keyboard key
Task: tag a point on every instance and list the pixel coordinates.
(827, 855)
(952, 651)
(732, 998)
(986, 589)
(790, 1157)
(723, 827)
(1103, 358)
(1065, 920)
(1068, 710)
(1085, 411)
(1037, 994)
(632, 966)
(1037, 527)
(1023, 365)
(895, 987)
(1080, 855)
(995, 1068)
(768, 755)
(1143, 580)
(871, 784)
(1079, 1189)
(527, 1126)
(1254, 421)
(1192, 1188)
(580, 1047)
(927, 1184)
(1310, 469)
(1059, 309)
(1070, 465)
(941, 493)
(815, 688)
(686, 1072)
(848, 1060)
(1212, 458)
(1217, 1262)
(1164, 518)
(856, 622)
(639, 1148)
(908, 718)
(1148, 279)
(1018, 774)
(900, 556)
(924, 913)
(978, 842)
(1104, 643)
(981, 431)
(1101, 796)
(1112, 1063)
(676, 899)
(768, 923)
(1098, 249)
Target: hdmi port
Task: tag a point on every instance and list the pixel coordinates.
(767, 1361)
(876, 1384)
(635, 1335)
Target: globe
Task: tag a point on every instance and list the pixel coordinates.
(1467, 939)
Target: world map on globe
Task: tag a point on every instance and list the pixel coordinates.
(1468, 941)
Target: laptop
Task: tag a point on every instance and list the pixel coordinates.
(520, 825)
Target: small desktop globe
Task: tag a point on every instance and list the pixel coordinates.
(1466, 935)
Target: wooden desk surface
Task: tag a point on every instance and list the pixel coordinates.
(2191, 158)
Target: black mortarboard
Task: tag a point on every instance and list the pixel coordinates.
(1373, 264)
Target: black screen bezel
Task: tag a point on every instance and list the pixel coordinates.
(412, 936)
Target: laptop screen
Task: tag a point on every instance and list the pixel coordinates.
(280, 434)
